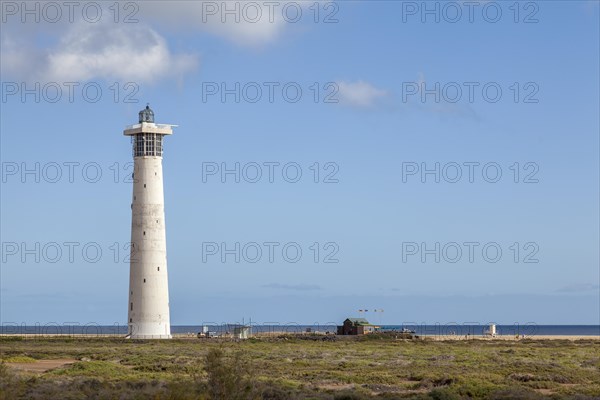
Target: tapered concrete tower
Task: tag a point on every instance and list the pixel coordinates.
(148, 307)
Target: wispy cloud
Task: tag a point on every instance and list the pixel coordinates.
(359, 94)
(298, 287)
(579, 288)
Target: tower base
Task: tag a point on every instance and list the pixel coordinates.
(148, 337)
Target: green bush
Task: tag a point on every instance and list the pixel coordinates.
(229, 378)
(19, 359)
(514, 394)
(443, 394)
(348, 396)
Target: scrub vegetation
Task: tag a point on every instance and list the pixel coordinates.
(293, 367)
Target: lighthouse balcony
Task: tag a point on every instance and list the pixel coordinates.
(148, 127)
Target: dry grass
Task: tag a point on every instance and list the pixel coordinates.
(290, 368)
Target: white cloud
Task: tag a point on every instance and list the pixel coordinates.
(359, 94)
(102, 51)
(79, 50)
(125, 52)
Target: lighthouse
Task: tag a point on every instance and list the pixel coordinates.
(148, 308)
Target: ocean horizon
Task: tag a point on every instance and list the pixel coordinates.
(451, 329)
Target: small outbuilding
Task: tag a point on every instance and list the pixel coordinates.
(356, 326)
(241, 331)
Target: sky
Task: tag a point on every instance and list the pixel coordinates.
(438, 161)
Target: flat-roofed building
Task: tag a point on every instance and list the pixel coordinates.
(356, 326)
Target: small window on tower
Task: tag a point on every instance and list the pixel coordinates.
(130, 319)
(144, 280)
(158, 268)
(131, 306)
(144, 233)
(144, 185)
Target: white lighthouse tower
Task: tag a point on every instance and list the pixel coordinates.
(148, 308)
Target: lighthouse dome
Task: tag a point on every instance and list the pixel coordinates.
(147, 115)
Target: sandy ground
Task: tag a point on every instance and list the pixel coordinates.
(514, 338)
(41, 365)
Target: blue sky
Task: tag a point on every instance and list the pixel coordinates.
(368, 215)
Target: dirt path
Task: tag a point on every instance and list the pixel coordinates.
(41, 366)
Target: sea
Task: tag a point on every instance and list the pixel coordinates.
(527, 330)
